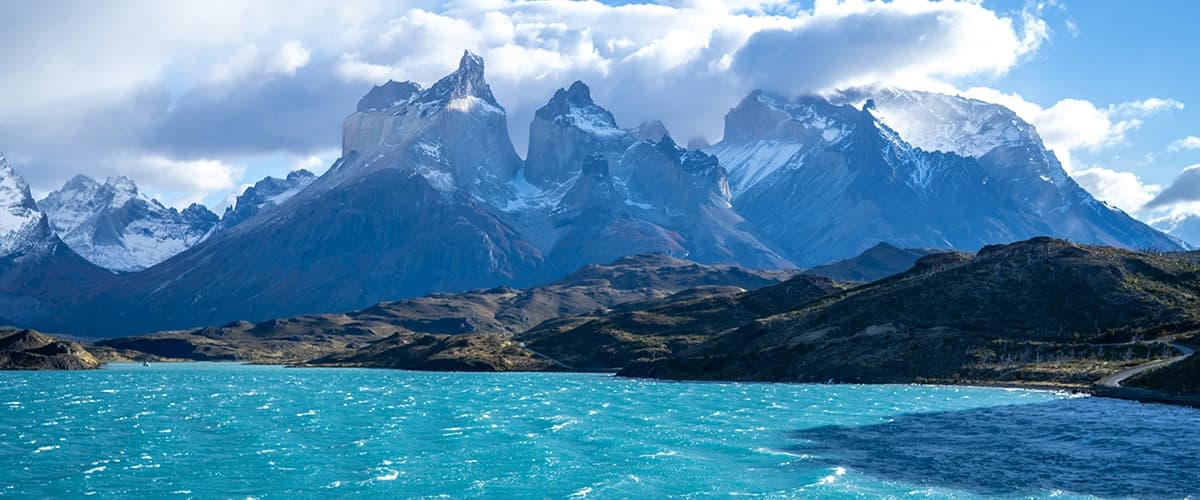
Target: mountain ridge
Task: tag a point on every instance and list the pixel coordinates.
(429, 195)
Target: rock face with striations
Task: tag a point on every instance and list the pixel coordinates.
(624, 195)
(265, 195)
(826, 180)
(566, 131)
(429, 195)
(454, 134)
(406, 211)
(115, 226)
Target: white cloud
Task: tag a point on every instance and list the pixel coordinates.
(1184, 191)
(249, 60)
(194, 179)
(687, 63)
(683, 62)
(895, 43)
(316, 163)
(1145, 107)
(352, 67)
(291, 57)
(1076, 124)
(1123, 190)
(1185, 144)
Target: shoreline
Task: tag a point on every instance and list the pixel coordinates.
(1031, 386)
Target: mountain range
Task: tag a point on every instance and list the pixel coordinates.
(430, 195)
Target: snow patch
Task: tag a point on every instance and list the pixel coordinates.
(750, 163)
(530, 197)
(593, 120)
(471, 103)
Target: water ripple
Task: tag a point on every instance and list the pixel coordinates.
(219, 430)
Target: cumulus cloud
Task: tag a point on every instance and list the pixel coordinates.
(1123, 190)
(854, 43)
(1145, 107)
(197, 179)
(226, 80)
(1185, 189)
(1072, 125)
(250, 61)
(1075, 124)
(1185, 144)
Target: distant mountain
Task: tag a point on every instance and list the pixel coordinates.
(406, 211)
(36, 267)
(1186, 228)
(429, 195)
(115, 226)
(566, 131)
(876, 263)
(825, 180)
(264, 195)
(612, 192)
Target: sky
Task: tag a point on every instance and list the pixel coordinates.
(196, 100)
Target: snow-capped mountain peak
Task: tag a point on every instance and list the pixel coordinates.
(21, 223)
(940, 122)
(388, 95)
(766, 132)
(115, 226)
(568, 129)
(464, 90)
(264, 195)
(453, 134)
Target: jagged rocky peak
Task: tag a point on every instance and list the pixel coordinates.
(264, 195)
(382, 97)
(23, 228)
(81, 183)
(763, 116)
(567, 130)
(596, 165)
(465, 83)
(114, 226)
(122, 183)
(663, 172)
(650, 130)
(454, 134)
(948, 123)
(14, 191)
(698, 143)
(198, 214)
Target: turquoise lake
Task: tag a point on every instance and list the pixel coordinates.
(226, 430)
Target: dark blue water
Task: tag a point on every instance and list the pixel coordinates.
(220, 430)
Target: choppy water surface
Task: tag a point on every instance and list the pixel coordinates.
(222, 430)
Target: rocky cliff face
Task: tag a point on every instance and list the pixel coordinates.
(826, 180)
(429, 195)
(115, 226)
(408, 210)
(265, 195)
(566, 131)
(454, 133)
(36, 267)
(624, 195)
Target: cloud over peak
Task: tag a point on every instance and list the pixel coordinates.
(226, 81)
